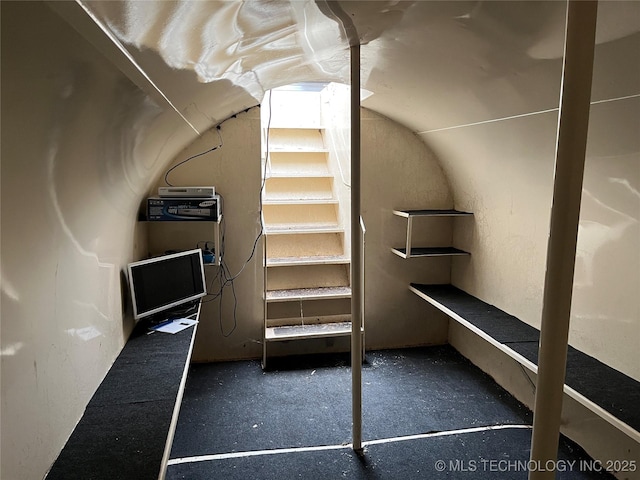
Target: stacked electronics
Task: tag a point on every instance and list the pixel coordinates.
(184, 203)
(180, 204)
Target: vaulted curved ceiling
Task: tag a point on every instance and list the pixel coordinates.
(430, 65)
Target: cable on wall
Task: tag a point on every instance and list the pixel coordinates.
(262, 185)
(166, 175)
(218, 128)
(224, 278)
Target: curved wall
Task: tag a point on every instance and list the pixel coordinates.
(502, 170)
(234, 329)
(80, 148)
(398, 171)
(86, 138)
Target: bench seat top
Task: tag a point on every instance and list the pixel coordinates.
(605, 386)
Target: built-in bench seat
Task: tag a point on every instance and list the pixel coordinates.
(603, 388)
(127, 428)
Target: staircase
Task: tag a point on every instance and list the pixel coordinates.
(307, 279)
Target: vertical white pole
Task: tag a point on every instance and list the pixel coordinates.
(356, 254)
(571, 145)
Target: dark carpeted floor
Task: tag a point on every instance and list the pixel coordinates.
(306, 402)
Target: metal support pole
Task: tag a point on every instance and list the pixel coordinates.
(573, 122)
(356, 254)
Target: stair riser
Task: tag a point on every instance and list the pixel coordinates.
(300, 197)
(301, 138)
(285, 322)
(304, 214)
(304, 245)
(308, 276)
(298, 189)
(297, 164)
(308, 309)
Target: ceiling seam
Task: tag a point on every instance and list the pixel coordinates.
(512, 117)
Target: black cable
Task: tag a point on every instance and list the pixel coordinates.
(166, 175)
(225, 271)
(262, 185)
(224, 278)
(533, 385)
(220, 273)
(218, 127)
(225, 268)
(224, 275)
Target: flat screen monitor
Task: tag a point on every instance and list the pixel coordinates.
(165, 282)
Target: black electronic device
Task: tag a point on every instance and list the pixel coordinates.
(163, 283)
(180, 209)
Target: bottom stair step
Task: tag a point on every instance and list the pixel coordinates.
(301, 332)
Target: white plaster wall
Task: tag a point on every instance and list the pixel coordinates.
(399, 172)
(502, 170)
(87, 144)
(336, 114)
(235, 171)
(503, 173)
(76, 158)
(605, 314)
(394, 316)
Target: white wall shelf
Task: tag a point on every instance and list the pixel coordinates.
(410, 252)
(217, 260)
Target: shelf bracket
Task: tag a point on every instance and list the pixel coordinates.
(409, 230)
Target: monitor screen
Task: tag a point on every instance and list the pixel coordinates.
(162, 283)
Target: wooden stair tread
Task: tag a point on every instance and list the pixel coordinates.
(289, 149)
(293, 228)
(311, 260)
(296, 127)
(299, 174)
(300, 332)
(319, 293)
(300, 201)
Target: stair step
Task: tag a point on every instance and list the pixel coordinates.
(302, 294)
(313, 127)
(298, 164)
(299, 188)
(301, 332)
(296, 139)
(310, 213)
(311, 260)
(284, 229)
(297, 312)
(298, 174)
(298, 149)
(301, 201)
(308, 276)
(307, 244)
